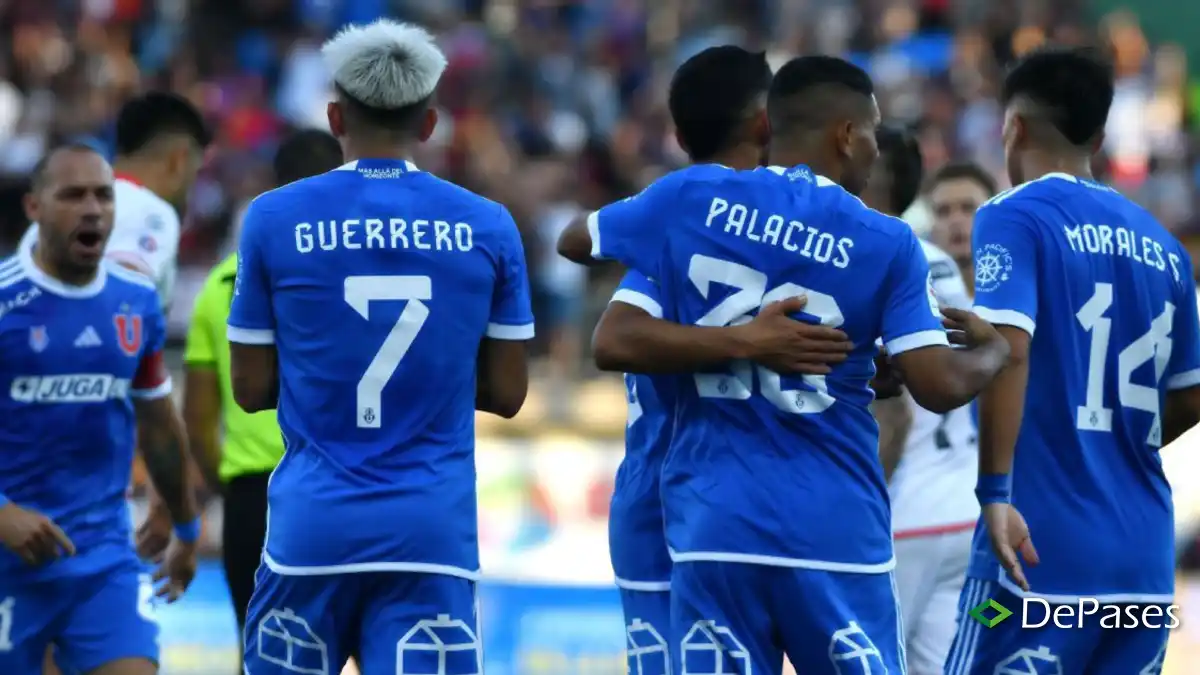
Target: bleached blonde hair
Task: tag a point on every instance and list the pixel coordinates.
(385, 64)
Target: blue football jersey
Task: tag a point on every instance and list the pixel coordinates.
(636, 535)
(1111, 296)
(763, 468)
(377, 282)
(71, 359)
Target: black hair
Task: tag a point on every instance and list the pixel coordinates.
(965, 171)
(1072, 87)
(712, 93)
(306, 153)
(809, 91)
(37, 176)
(901, 155)
(144, 119)
(405, 120)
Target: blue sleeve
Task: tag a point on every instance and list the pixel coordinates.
(911, 318)
(1006, 264)
(512, 314)
(251, 316)
(633, 230)
(1183, 369)
(637, 290)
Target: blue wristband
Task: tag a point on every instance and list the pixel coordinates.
(188, 533)
(994, 488)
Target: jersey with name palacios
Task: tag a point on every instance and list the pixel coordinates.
(762, 468)
(932, 489)
(72, 358)
(377, 283)
(636, 536)
(1110, 295)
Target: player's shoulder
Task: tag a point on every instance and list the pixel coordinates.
(129, 284)
(14, 277)
(141, 208)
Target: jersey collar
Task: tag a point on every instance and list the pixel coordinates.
(404, 165)
(49, 283)
(127, 178)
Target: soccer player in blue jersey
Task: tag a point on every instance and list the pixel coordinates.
(81, 362)
(729, 130)
(776, 508)
(378, 307)
(1071, 430)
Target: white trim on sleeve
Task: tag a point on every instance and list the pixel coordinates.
(1183, 380)
(1006, 317)
(250, 336)
(924, 338)
(640, 300)
(500, 331)
(593, 225)
(153, 393)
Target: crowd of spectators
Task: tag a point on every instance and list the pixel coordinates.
(552, 106)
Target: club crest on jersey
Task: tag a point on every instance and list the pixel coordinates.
(38, 339)
(129, 332)
(993, 265)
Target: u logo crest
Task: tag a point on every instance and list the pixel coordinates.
(129, 332)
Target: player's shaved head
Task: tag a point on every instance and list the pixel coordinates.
(71, 200)
(385, 74)
(707, 126)
(823, 113)
(47, 169)
(1056, 102)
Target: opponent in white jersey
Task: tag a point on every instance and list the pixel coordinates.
(160, 146)
(929, 459)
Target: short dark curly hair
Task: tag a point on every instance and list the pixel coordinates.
(712, 93)
(1073, 86)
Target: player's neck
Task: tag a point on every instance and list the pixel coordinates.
(139, 172)
(1079, 166)
(69, 275)
(742, 158)
(794, 152)
(378, 150)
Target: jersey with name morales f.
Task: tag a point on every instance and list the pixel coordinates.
(377, 283)
(1107, 295)
(72, 358)
(762, 468)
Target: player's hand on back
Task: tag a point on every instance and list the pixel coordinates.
(788, 346)
(177, 570)
(967, 329)
(1010, 540)
(32, 535)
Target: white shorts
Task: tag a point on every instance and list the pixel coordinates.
(930, 572)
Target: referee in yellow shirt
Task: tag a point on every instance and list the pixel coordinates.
(252, 444)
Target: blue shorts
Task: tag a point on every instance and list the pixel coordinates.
(1008, 647)
(648, 643)
(91, 621)
(741, 619)
(390, 622)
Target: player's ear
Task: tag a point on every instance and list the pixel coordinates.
(428, 124)
(30, 202)
(679, 141)
(843, 135)
(1098, 142)
(337, 124)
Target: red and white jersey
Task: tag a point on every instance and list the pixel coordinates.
(933, 489)
(145, 234)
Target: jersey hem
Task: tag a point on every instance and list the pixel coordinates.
(500, 331)
(780, 561)
(640, 300)
(1184, 380)
(359, 568)
(643, 586)
(250, 336)
(1007, 317)
(593, 227)
(925, 338)
(160, 391)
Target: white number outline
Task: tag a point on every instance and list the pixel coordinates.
(1155, 344)
(751, 295)
(359, 293)
(7, 613)
(145, 599)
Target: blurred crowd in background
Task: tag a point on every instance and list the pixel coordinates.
(555, 106)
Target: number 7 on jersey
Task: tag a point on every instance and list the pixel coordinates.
(359, 293)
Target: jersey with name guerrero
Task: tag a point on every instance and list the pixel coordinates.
(932, 489)
(636, 536)
(71, 360)
(376, 283)
(1110, 295)
(763, 468)
(145, 234)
